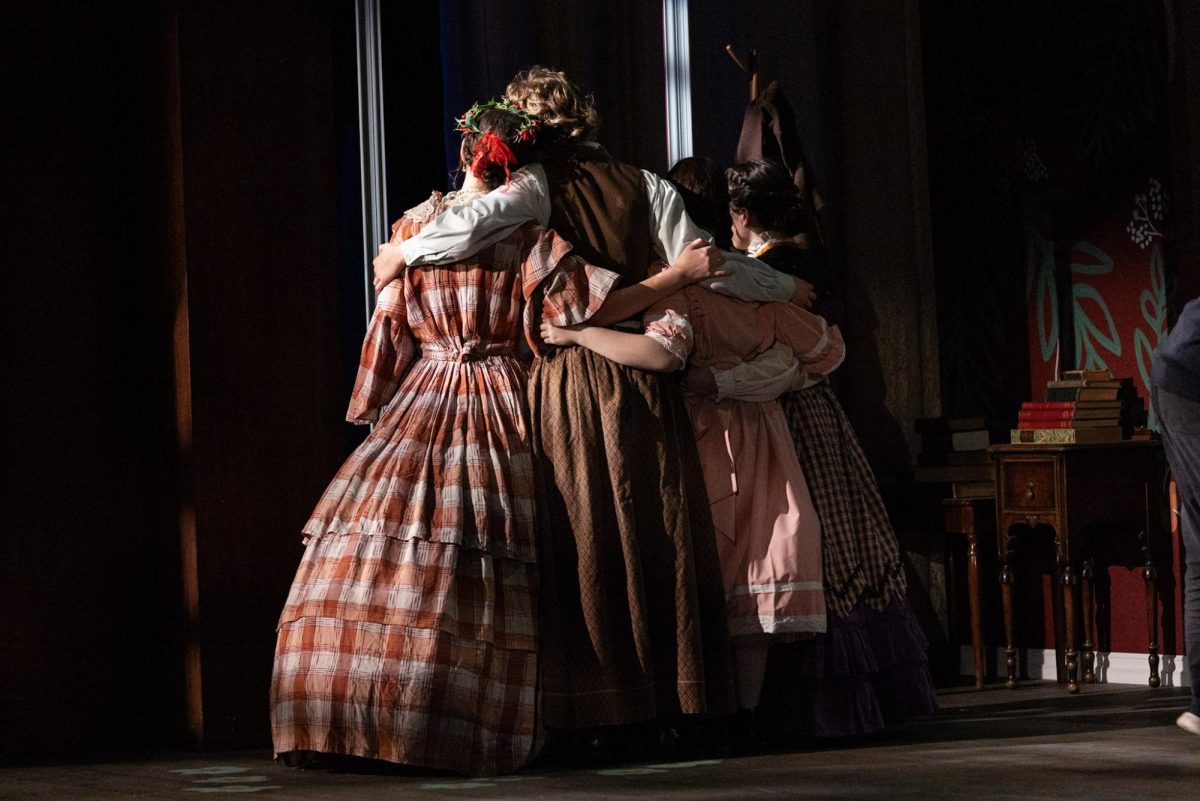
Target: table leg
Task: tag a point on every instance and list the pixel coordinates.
(1150, 575)
(1069, 580)
(976, 608)
(1089, 621)
(1006, 585)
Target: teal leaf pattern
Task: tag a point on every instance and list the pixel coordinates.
(1092, 334)
(1153, 302)
(1101, 263)
(1040, 285)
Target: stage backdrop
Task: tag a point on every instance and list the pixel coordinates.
(1051, 170)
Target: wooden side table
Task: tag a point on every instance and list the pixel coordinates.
(967, 516)
(1073, 489)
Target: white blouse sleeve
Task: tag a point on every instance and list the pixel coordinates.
(748, 279)
(463, 231)
(766, 378)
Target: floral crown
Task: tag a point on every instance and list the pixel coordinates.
(526, 132)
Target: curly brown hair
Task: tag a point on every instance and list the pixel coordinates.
(559, 102)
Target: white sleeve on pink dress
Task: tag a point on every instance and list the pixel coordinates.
(773, 373)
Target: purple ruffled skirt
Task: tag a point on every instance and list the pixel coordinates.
(868, 671)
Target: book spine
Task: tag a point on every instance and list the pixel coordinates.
(1047, 406)
(1037, 414)
(1063, 436)
(1054, 420)
(1081, 394)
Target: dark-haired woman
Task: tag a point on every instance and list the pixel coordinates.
(870, 669)
(702, 184)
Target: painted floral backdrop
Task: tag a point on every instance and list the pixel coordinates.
(1046, 127)
(1118, 297)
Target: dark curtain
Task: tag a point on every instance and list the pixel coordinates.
(1042, 118)
(612, 48)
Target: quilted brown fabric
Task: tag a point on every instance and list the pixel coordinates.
(632, 611)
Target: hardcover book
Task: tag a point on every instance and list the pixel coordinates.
(1084, 393)
(1086, 375)
(1040, 422)
(1078, 414)
(1084, 382)
(1065, 436)
(1069, 405)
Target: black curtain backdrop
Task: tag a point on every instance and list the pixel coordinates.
(797, 46)
(1081, 84)
(613, 49)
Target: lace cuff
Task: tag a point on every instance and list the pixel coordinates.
(673, 331)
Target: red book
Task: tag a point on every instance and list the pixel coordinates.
(1068, 405)
(1034, 415)
(1067, 423)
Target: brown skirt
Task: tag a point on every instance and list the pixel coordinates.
(632, 612)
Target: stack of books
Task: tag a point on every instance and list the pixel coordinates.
(954, 450)
(1082, 406)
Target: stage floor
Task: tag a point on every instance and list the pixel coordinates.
(1036, 742)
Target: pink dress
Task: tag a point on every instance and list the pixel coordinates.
(768, 533)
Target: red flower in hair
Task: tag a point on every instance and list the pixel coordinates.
(489, 150)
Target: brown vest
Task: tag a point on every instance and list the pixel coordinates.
(601, 207)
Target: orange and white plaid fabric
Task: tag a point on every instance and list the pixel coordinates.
(409, 634)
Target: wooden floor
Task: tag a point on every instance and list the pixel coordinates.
(1036, 742)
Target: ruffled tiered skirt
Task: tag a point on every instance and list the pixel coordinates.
(868, 671)
(409, 634)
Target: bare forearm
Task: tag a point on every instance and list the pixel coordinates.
(631, 301)
(631, 350)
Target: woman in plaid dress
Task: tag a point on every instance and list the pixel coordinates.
(409, 634)
(870, 669)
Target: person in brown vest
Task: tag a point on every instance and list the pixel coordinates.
(632, 608)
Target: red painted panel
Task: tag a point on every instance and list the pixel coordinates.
(1119, 313)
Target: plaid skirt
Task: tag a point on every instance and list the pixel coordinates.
(408, 651)
(409, 634)
(860, 554)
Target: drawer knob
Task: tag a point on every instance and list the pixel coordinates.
(1029, 493)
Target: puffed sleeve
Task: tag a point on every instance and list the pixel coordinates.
(388, 349)
(558, 286)
(671, 328)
